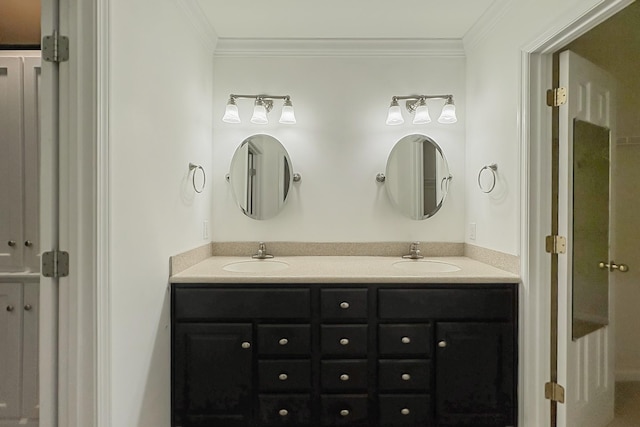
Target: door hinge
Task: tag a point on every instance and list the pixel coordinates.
(55, 48)
(55, 264)
(554, 391)
(557, 96)
(556, 244)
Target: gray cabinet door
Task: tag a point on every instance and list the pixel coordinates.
(30, 319)
(10, 349)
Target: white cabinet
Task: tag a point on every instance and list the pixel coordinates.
(19, 151)
(18, 353)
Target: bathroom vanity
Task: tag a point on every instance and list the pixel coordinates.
(405, 350)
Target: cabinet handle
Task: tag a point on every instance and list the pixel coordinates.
(283, 377)
(246, 344)
(11, 243)
(344, 413)
(28, 243)
(405, 411)
(344, 341)
(442, 344)
(405, 377)
(27, 307)
(283, 341)
(344, 377)
(283, 412)
(9, 308)
(405, 340)
(344, 305)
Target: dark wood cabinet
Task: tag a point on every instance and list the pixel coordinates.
(373, 355)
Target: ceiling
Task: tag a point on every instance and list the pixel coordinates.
(349, 19)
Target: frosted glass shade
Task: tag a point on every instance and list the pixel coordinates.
(231, 113)
(287, 117)
(448, 114)
(395, 115)
(422, 115)
(259, 115)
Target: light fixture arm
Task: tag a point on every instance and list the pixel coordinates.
(413, 101)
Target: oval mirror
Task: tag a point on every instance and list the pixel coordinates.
(417, 176)
(260, 176)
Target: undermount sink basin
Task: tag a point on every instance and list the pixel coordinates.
(425, 266)
(256, 266)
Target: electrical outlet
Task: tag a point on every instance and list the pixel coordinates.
(472, 231)
(205, 229)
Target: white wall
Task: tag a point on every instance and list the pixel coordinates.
(339, 144)
(160, 120)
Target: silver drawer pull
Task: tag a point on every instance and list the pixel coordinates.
(344, 377)
(405, 377)
(344, 412)
(405, 411)
(283, 412)
(283, 377)
(442, 344)
(344, 305)
(283, 341)
(245, 344)
(344, 341)
(28, 307)
(405, 340)
(11, 243)
(9, 308)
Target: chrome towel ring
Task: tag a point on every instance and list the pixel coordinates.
(195, 168)
(493, 168)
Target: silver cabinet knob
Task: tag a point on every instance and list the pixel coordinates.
(9, 308)
(405, 377)
(283, 412)
(344, 377)
(344, 413)
(28, 243)
(405, 340)
(283, 377)
(405, 411)
(28, 307)
(442, 344)
(344, 305)
(11, 243)
(246, 344)
(344, 341)
(283, 341)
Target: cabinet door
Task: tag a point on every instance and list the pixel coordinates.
(212, 374)
(11, 161)
(30, 365)
(10, 349)
(475, 373)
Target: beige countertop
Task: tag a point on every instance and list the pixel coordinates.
(344, 269)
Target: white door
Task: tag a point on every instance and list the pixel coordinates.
(586, 364)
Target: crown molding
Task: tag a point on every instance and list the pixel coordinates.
(236, 47)
(203, 27)
(487, 22)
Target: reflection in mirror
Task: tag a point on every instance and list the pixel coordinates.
(417, 176)
(590, 227)
(260, 176)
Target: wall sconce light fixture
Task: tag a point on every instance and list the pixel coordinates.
(417, 105)
(262, 105)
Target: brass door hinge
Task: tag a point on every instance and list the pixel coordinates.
(557, 96)
(556, 244)
(554, 392)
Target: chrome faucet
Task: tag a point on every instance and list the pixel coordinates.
(414, 251)
(262, 252)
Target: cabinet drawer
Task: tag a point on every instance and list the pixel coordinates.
(341, 375)
(344, 340)
(447, 304)
(285, 410)
(405, 339)
(344, 410)
(405, 410)
(284, 375)
(284, 340)
(400, 375)
(344, 303)
(227, 303)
